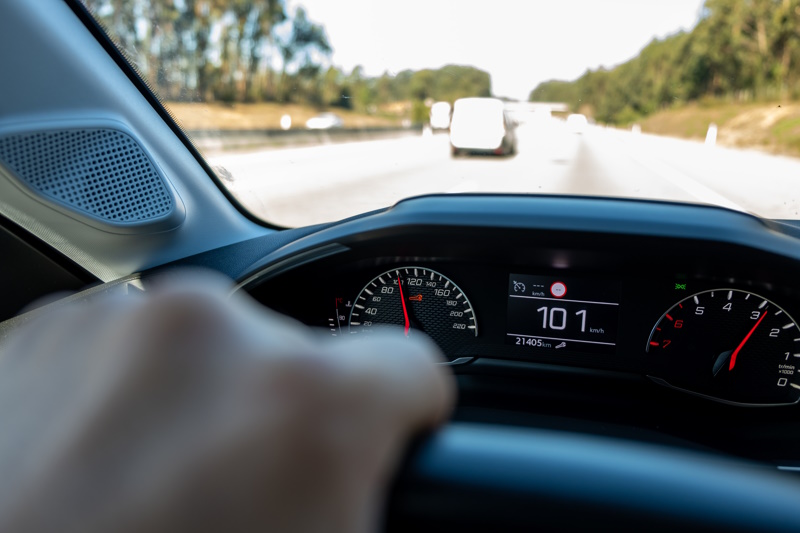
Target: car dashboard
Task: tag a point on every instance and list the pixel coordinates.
(636, 319)
(656, 322)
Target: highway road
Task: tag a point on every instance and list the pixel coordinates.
(301, 186)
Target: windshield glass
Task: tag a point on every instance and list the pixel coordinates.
(312, 111)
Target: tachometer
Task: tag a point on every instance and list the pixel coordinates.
(416, 299)
(728, 344)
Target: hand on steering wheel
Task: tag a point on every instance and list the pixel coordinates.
(186, 409)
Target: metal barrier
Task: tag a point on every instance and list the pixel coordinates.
(221, 140)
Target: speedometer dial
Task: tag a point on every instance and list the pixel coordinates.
(414, 300)
(729, 344)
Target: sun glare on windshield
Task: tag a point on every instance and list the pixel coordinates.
(312, 111)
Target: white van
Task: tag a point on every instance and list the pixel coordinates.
(481, 125)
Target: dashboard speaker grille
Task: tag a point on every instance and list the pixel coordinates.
(101, 172)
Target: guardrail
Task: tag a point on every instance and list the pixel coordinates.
(221, 140)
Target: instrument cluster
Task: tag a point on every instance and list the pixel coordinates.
(730, 340)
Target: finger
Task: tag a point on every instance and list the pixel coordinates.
(266, 331)
(403, 374)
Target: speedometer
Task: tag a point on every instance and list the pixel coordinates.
(728, 344)
(413, 300)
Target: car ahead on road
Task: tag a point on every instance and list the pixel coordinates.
(482, 125)
(563, 422)
(577, 123)
(325, 121)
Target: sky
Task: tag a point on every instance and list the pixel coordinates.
(519, 42)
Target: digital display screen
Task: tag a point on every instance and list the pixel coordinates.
(550, 313)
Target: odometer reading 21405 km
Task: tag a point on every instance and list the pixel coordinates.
(730, 345)
(416, 300)
(562, 315)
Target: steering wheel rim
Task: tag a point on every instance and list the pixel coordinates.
(497, 478)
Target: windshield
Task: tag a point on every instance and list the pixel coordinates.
(312, 111)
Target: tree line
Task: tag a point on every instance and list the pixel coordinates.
(257, 51)
(744, 50)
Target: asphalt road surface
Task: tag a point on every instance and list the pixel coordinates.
(301, 186)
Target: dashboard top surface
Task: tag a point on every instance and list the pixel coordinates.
(587, 215)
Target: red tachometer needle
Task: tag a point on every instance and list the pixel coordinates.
(741, 344)
(403, 300)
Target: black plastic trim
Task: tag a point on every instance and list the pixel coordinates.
(48, 251)
(665, 383)
(289, 263)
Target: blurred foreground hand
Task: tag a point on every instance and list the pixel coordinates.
(187, 410)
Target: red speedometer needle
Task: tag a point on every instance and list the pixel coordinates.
(403, 300)
(741, 344)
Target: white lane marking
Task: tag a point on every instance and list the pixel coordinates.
(685, 182)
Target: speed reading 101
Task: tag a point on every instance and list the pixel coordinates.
(416, 300)
(563, 315)
(728, 344)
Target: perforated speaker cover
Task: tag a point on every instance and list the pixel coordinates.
(102, 173)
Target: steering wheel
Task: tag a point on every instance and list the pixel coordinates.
(489, 478)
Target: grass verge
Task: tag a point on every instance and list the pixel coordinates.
(772, 127)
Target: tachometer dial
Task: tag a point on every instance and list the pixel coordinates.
(413, 300)
(728, 344)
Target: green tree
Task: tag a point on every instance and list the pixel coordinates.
(305, 40)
